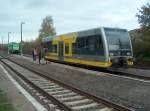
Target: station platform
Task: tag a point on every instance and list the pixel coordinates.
(20, 99)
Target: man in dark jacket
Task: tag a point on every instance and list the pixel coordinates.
(39, 55)
(33, 55)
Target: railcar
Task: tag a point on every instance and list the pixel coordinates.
(14, 47)
(99, 47)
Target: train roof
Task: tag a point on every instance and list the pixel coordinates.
(82, 32)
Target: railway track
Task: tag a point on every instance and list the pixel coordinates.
(113, 71)
(56, 96)
(122, 73)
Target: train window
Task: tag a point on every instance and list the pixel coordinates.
(81, 45)
(90, 45)
(66, 48)
(99, 46)
(118, 39)
(74, 48)
(54, 49)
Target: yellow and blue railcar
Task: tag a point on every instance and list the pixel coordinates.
(100, 47)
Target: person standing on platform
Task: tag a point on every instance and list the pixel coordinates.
(35, 53)
(45, 54)
(39, 54)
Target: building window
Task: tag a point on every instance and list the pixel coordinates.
(66, 48)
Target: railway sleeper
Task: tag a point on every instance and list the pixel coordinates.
(48, 84)
(79, 102)
(59, 92)
(54, 89)
(43, 81)
(86, 107)
(49, 87)
(65, 95)
(105, 109)
(52, 107)
(37, 79)
(73, 98)
(46, 101)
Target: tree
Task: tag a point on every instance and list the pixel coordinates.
(141, 41)
(144, 20)
(47, 28)
(144, 15)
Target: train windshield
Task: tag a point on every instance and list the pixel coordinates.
(118, 39)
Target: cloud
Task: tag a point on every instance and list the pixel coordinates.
(68, 15)
(35, 4)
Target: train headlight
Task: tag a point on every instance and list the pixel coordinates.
(128, 53)
(111, 54)
(130, 59)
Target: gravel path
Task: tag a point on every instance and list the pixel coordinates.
(125, 91)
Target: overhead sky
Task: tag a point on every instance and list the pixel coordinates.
(68, 15)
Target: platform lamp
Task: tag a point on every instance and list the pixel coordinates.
(21, 51)
(8, 41)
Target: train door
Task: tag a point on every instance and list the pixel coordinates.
(61, 51)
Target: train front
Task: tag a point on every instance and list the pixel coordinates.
(119, 47)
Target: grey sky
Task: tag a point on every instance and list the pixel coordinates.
(68, 15)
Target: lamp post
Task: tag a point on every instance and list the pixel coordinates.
(21, 52)
(8, 41)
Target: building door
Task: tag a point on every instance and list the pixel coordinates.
(61, 51)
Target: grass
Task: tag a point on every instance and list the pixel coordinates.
(5, 104)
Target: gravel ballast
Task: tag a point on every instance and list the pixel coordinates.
(126, 91)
